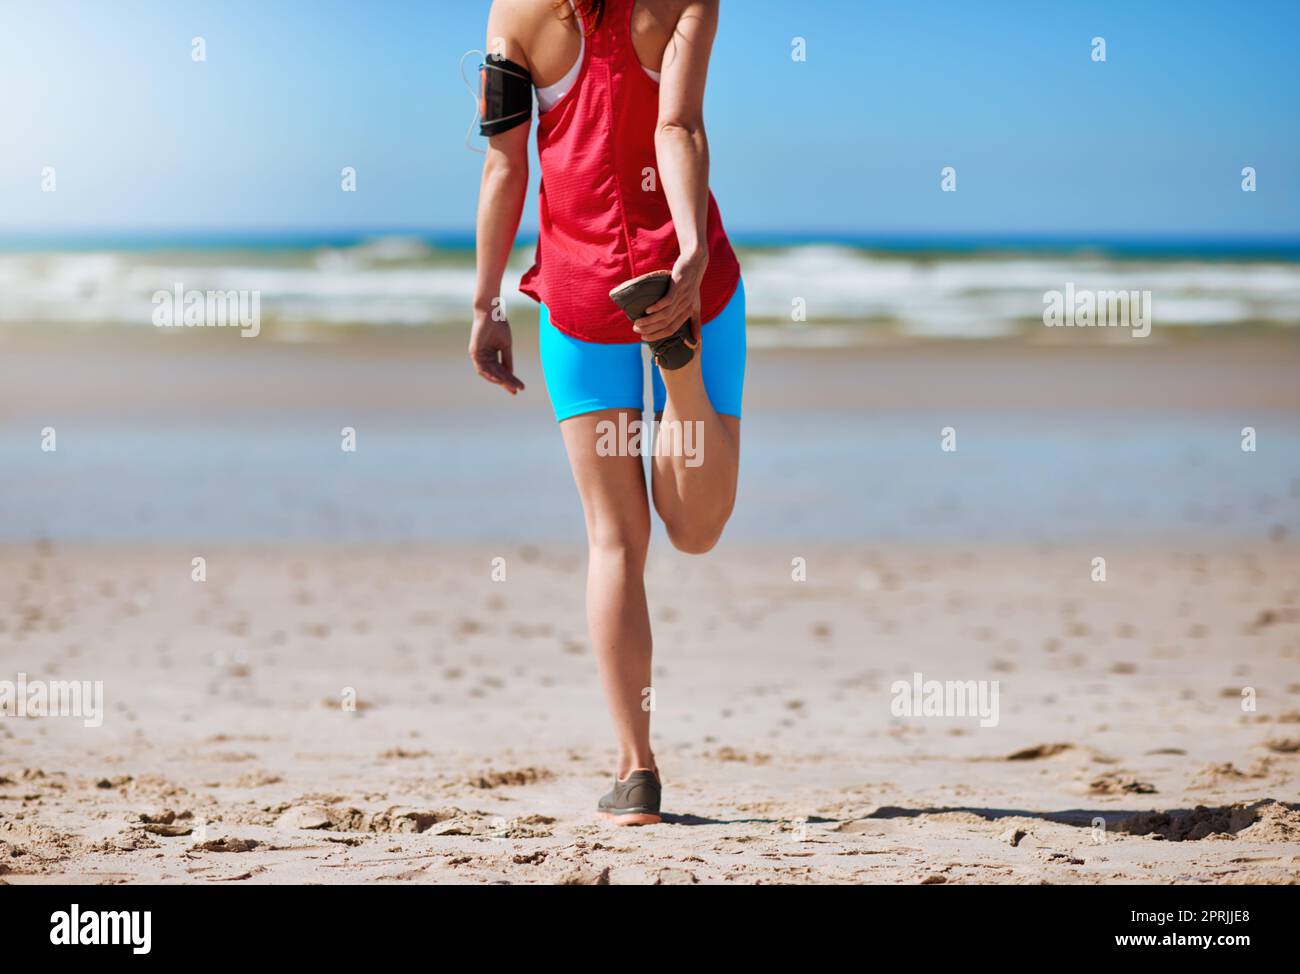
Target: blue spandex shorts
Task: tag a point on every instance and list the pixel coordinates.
(583, 377)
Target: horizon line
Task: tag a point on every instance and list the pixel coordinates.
(453, 237)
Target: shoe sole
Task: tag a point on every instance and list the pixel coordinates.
(636, 294)
(630, 818)
(634, 285)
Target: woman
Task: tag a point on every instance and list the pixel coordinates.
(625, 165)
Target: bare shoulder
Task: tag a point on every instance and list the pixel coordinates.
(523, 29)
(675, 12)
(696, 20)
(666, 16)
(680, 7)
(523, 18)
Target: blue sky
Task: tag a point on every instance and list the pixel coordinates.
(851, 141)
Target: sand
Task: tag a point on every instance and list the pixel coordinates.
(350, 697)
(477, 746)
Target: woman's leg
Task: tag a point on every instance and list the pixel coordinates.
(695, 495)
(694, 486)
(618, 533)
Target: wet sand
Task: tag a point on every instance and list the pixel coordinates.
(199, 436)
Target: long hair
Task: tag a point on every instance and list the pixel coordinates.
(593, 11)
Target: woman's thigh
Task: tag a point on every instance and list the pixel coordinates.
(611, 482)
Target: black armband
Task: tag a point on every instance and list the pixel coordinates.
(507, 96)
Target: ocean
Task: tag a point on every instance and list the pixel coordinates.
(811, 290)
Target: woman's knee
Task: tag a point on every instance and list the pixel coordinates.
(626, 535)
(696, 532)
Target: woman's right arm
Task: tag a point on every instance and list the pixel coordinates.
(500, 205)
(682, 151)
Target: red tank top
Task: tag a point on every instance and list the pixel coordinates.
(603, 216)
